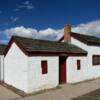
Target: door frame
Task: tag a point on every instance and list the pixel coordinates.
(62, 70)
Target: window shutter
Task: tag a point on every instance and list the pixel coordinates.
(44, 67)
(78, 65)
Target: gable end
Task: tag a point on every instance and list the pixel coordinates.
(13, 40)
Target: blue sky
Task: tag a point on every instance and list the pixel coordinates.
(45, 17)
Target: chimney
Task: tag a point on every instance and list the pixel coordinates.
(67, 33)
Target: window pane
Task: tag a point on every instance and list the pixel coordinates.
(96, 59)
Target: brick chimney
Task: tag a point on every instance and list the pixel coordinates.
(67, 33)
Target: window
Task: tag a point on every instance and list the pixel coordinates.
(44, 67)
(96, 59)
(78, 65)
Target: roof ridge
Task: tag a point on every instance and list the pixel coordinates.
(35, 39)
(84, 35)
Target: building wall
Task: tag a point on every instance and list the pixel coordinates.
(80, 44)
(15, 68)
(25, 72)
(88, 71)
(1, 67)
(74, 75)
(37, 80)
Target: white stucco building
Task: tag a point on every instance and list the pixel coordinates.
(90, 64)
(32, 65)
(2, 48)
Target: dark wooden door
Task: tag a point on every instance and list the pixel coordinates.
(62, 70)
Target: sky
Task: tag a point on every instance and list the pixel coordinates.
(45, 19)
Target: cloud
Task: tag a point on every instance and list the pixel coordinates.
(20, 31)
(24, 5)
(91, 28)
(17, 9)
(27, 5)
(0, 12)
(3, 41)
(50, 34)
(14, 19)
(47, 34)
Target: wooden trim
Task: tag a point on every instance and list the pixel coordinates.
(62, 69)
(54, 54)
(77, 54)
(39, 53)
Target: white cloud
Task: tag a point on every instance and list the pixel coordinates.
(0, 12)
(14, 19)
(21, 31)
(91, 28)
(17, 9)
(24, 5)
(49, 33)
(27, 5)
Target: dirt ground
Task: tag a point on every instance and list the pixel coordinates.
(95, 95)
(66, 92)
(6, 94)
